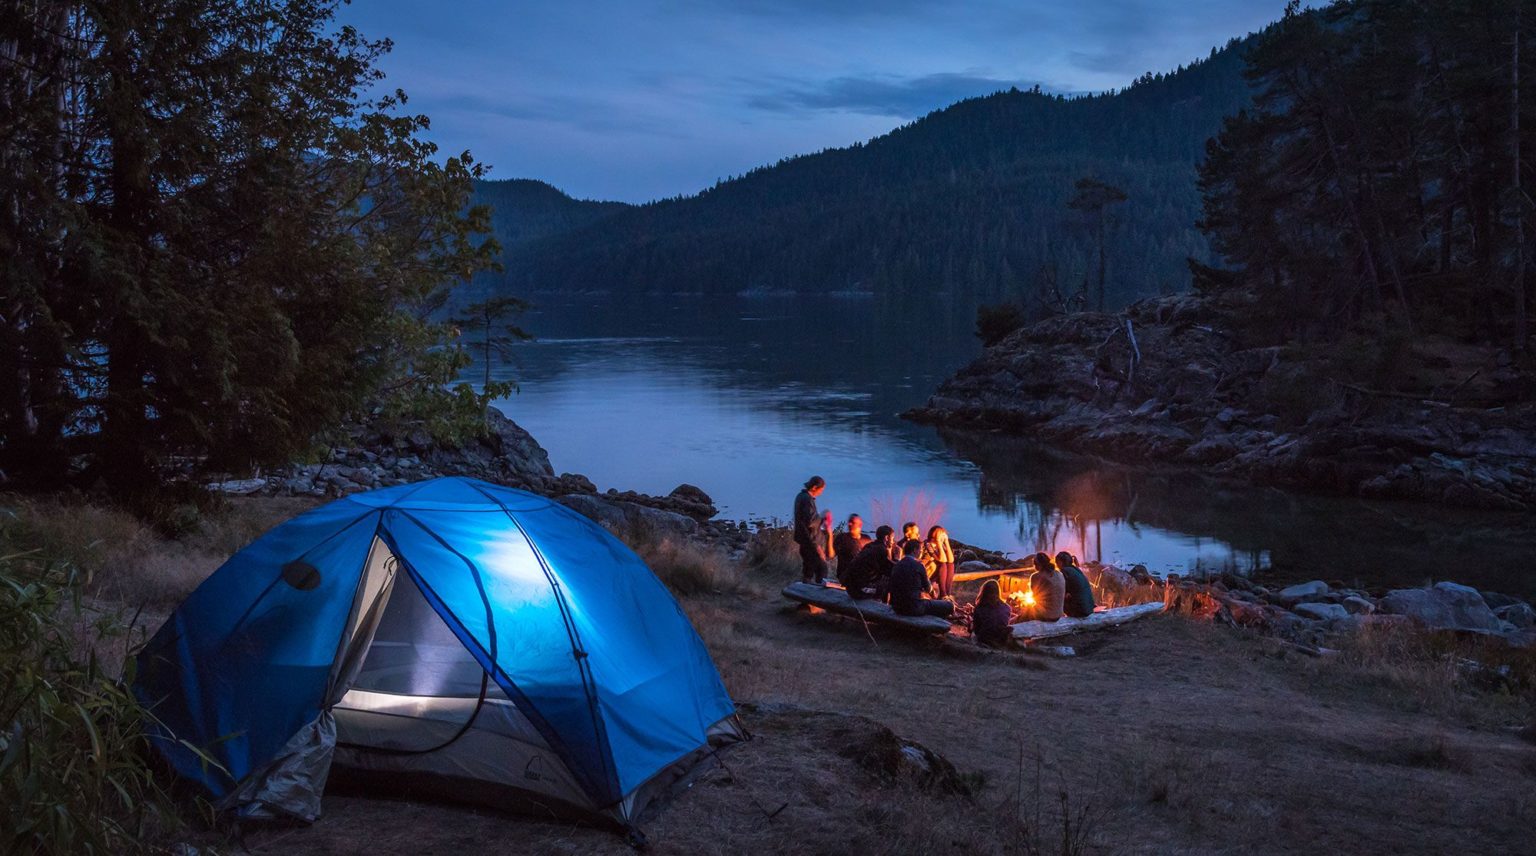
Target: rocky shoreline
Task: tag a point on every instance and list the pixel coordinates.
(1175, 381)
(507, 455)
(1304, 614)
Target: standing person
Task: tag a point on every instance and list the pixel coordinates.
(938, 552)
(869, 574)
(809, 533)
(990, 618)
(1049, 589)
(909, 584)
(847, 544)
(1079, 594)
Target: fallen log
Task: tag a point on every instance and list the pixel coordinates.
(836, 600)
(972, 576)
(1096, 621)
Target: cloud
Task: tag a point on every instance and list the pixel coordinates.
(882, 95)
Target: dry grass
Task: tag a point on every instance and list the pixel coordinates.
(125, 561)
(691, 569)
(772, 557)
(1472, 678)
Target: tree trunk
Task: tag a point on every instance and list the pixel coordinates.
(126, 459)
(1522, 334)
(1101, 259)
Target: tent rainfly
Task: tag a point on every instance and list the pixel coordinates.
(451, 634)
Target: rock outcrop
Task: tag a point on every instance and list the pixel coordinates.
(1175, 381)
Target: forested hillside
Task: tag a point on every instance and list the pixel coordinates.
(1382, 178)
(972, 200)
(526, 210)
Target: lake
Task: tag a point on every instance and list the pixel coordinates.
(747, 397)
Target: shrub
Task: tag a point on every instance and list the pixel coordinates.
(73, 776)
(690, 569)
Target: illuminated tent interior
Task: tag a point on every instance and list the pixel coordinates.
(452, 637)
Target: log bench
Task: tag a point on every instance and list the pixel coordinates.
(837, 601)
(1028, 630)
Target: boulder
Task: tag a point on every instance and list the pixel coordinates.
(973, 567)
(693, 502)
(1521, 615)
(1444, 606)
(607, 513)
(1303, 590)
(628, 519)
(516, 449)
(573, 483)
(1322, 611)
(1357, 605)
(1496, 600)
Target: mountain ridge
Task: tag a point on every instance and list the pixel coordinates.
(970, 200)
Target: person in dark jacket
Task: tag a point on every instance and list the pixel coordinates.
(991, 616)
(909, 584)
(810, 534)
(1078, 602)
(869, 574)
(909, 532)
(1049, 589)
(848, 543)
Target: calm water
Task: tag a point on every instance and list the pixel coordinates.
(747, 397)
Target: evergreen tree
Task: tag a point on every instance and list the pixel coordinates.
(1379, 173)
(219, 242)
(1094, 198)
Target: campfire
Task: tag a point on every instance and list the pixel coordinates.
(1022, 602)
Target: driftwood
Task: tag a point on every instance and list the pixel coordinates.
(972, 576)
(1096, 621)
(837, 601)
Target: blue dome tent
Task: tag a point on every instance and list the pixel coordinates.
(470, 637)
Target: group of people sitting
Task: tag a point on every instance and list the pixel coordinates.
(1058, 588)
(916, 573)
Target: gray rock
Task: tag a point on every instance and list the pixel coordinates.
(1322, 611)
(575, 483)
(973, 567)
(602, 511)
(690, 493)
(1357, 605)
(1496, 600)
(521, 453)
(1446, 585)
(1301, 590)
(629, 519)
(1521, 615)
(238, 487)
(1445, 606)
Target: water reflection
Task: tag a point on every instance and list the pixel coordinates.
(748, 397)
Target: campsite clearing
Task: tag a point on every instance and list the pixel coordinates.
(1163, 735)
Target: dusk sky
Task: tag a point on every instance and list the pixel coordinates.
(641, 99)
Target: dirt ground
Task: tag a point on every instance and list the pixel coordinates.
(1162, 736)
